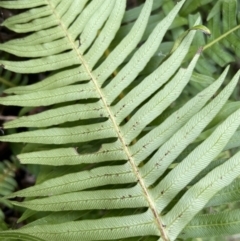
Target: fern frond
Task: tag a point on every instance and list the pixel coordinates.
(9, 79)
(216, 224)
(8, 183)
(102, 102)
(7, 186)
(222, 47)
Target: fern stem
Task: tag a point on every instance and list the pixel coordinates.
(149, 199)
(221, 37)
(6, 82)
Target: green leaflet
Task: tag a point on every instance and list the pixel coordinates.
(225, 37)
(152, 82)
(227, 195)
(181, 139)
(47, 49)
(7, 186)
(70, 156)
(136, 31)
(216, 9)
(57, 217)
(23, 4)
(44, 64)
(160, 134)
(59, 115)
(26, 17)
(201, 156)
(222, 223)
(197, 196)
(94, 24)
(137, 225)
(158, 103)
(117, 56)
(234, 141)
(68, 93)
(64, 135)
(55, 33)
(102, 199)
(215, 163)
(79, 181)
(140, 58)
(229, 9)
(56, 80)
(107, 34)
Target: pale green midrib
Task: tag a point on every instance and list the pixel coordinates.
(116, 127)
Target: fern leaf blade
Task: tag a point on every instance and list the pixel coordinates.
(56, 80)
(94, 24)
(106, 35)
(229, 10)
(175, 177)
(87, 200)
(209, 225)
(198, 196)
(118, 55)
(162, 133)
(39, 37)
(158, 103)
(28, 16)
(40, 50)
(227, 195)
(59, 116)
(22, 4)
(113, 112)
(233, 142)
(140, 58)
(43, 64)
(70, 156)
(44, 23)
(64, 135)
(124, 107)
(79, 181)
(50, 97)
(104, 229)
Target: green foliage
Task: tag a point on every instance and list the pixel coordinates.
(131, 145)
(9, 79)
(7, 186)
(222, 47)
